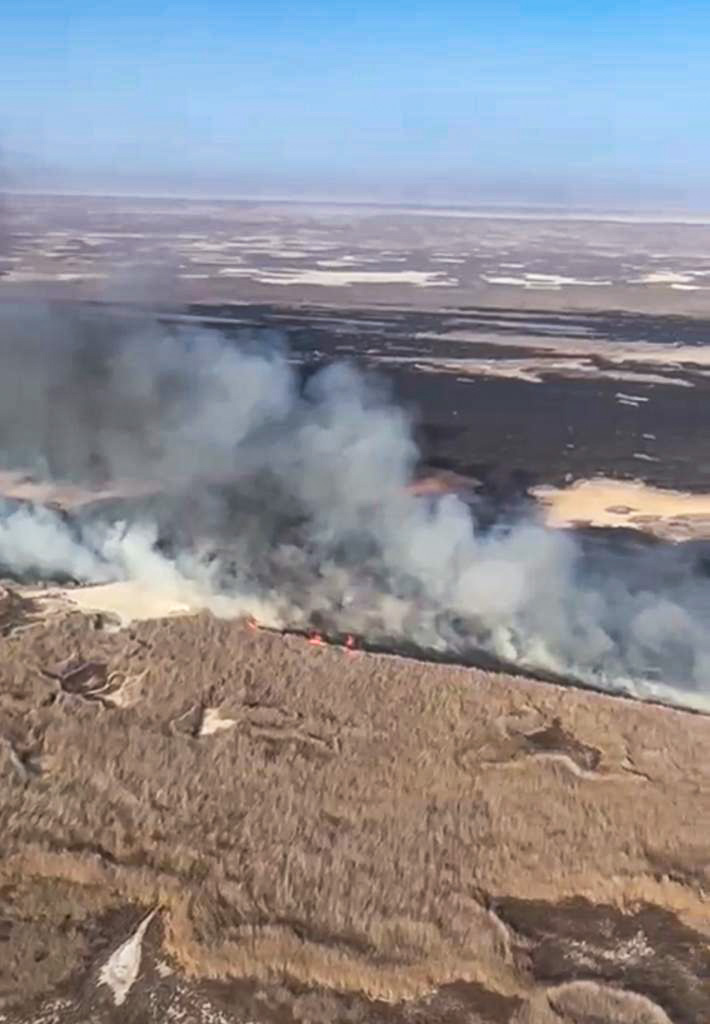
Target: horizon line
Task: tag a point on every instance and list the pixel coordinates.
(497, 209)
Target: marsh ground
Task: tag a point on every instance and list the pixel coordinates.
(355, 837)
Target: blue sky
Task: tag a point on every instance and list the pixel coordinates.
(538, 101)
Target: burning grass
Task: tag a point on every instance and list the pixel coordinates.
(296, 500)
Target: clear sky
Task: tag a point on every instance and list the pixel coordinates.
(546, 100)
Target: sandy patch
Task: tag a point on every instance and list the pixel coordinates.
(674, 515)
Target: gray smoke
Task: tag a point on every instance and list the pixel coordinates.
(259, 492)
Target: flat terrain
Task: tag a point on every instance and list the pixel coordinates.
(325, 836)
(235, 251)
(516, 398)
(206, 822)
(530, 346)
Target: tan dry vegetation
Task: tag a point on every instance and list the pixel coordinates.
(365, 824)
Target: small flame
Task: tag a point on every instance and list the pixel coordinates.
(252, 623)
(350, 644)
(316, 639)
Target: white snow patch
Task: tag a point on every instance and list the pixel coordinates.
(672, 277)
(23, 276)
(519, 281)
(239, 272)
(133, 602)
(631, 398)
(213, 722)
(121, 969)
(551, 282)
(345, 278)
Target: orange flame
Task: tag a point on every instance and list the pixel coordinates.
(316, 639)
(252, 623)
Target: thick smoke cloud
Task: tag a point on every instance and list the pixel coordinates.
(258, 493)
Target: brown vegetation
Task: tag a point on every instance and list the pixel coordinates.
(352, 830)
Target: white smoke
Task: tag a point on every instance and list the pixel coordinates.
(293, 500)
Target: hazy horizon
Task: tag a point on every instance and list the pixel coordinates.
(661, 211)
(463, 102)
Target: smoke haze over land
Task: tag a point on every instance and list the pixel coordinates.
(259, 493)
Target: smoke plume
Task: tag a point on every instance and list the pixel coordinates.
(262, 493)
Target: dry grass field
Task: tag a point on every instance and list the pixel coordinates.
(330, 836)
